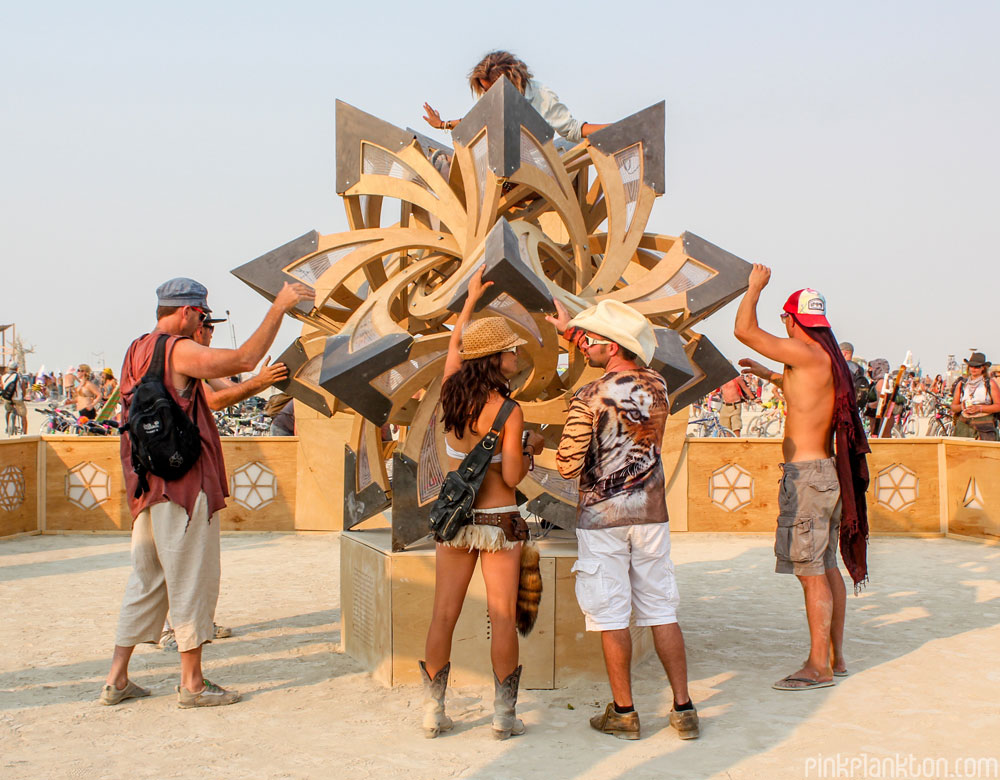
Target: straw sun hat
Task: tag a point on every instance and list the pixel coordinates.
(487, 336)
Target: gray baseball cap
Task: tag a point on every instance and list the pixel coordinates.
(182, 292)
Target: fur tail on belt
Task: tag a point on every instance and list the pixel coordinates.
(529, 589)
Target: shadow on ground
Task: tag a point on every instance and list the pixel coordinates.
(745, 627)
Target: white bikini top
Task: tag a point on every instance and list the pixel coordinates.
(453, 453)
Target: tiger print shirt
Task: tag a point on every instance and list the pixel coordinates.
(612, 440)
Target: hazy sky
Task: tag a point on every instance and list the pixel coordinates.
(852, 146)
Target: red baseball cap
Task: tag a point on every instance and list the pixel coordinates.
(809, 308)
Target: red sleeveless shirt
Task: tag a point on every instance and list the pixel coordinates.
(208, 474)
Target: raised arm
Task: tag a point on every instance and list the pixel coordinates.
(222, 393)
(791, 352)
(191, 359)
(476, 288)
(759, 369)
(433, 118)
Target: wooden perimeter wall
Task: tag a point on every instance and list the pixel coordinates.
(74, 484)
(918, 486)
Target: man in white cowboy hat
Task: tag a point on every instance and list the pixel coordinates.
(612, 441)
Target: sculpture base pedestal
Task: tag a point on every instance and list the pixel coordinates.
(386, 603)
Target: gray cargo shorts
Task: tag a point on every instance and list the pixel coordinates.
(809, 509)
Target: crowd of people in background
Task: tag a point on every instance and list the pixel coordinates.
(947, 398)
(957, 403)
(84, 397)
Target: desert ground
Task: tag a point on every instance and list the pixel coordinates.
(922, 641)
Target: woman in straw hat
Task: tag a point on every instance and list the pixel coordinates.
(482, 357)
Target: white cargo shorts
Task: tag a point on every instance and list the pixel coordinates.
(624, 570)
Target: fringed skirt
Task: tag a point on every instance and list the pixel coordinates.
(492, 530)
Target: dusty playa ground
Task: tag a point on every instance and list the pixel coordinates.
(922, 649)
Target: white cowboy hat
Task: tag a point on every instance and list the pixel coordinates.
(620, 323)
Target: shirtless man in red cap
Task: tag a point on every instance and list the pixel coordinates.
(821, 500)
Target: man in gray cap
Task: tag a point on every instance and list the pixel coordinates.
(175, 530)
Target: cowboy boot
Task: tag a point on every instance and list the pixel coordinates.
(435, 721)
(505, 722)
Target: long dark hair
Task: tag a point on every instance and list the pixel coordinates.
(465, 393)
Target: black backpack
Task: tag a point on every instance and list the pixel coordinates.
(861, 384)
(165, 441)
(10, 388)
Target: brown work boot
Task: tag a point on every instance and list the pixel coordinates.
(686, 723)
(110, 695)
(623, 726)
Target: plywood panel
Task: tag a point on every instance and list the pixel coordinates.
(973, 507)
(271, 505)
(366, 606)
(270, 508)
(101, 506)
(320, 485)
(732, 484)
(413, 601)
(903, 495)
(18, 485)
(578, 652)
(677, 493)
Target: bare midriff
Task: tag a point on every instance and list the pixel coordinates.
(809, 398)
(494, 491)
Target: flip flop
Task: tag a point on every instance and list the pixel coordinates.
(841, 674)
(782, 685)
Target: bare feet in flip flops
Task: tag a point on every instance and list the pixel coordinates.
(805, 679)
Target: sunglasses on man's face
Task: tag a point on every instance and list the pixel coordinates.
(202, 314)
(594, 341)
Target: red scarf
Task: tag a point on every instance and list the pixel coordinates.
(852, 466)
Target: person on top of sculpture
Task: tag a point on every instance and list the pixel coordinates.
(175, 530)
(821, 498)
(482, 357)
(502, 63)
(611, 441)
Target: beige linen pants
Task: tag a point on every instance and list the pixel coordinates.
(175, 566)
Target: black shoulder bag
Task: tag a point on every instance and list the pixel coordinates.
(453, 507)
(164, 440)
